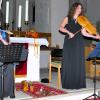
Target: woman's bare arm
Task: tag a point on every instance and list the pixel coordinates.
(63, 29)
(86, 34)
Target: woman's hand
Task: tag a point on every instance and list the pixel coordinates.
(97, 36)
(0, 36)
(2, 40)
(71, 35)
(85, 33)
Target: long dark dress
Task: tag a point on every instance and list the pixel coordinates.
(73, 62)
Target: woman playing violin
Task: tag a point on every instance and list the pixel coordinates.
(73, 63)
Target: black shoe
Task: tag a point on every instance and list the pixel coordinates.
(13, 96)
(45, 80)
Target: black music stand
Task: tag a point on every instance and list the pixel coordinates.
(10, 54)
(94, 55)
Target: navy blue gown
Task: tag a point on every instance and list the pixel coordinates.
(73, 62)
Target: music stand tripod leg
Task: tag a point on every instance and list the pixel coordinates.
(94, 80)
(10, 54)
(2, 81)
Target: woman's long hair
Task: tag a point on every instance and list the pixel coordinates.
(73, 9)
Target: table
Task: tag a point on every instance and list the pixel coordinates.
(33, 61)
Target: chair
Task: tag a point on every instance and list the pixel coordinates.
(55, 62)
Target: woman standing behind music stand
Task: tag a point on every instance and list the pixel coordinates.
(73, 63)
(8, 70)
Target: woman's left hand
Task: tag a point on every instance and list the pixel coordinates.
(97, 36)
(0, 36)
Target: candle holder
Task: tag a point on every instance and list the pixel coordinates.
(13, 22)
(6, 26)
(19, 31)
(27, 27)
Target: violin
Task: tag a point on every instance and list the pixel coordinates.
(85, 23)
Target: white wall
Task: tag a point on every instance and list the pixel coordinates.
(59, 9)
(42, 23)
(93, 10)
(49, 14)
(3, 8)
(31, 4)
(44, 59)
(11, 14)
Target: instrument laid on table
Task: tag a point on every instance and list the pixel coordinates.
(85, 23)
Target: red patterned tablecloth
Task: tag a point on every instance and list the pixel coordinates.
(40, 90)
